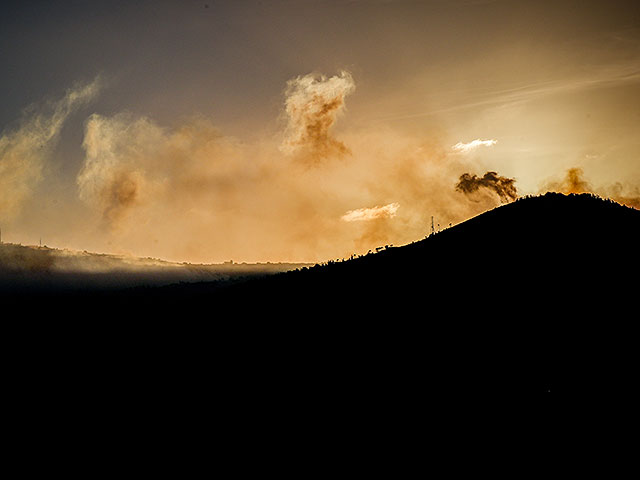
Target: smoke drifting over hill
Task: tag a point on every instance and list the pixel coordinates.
(574, 181)
(267, 200)
(312, 105)
(504, 187)
(189, 192)
(25, 151)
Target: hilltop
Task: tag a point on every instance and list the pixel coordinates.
(579, 239)
(534, 237)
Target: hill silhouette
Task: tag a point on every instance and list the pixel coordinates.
(535, 296)
(577, 239)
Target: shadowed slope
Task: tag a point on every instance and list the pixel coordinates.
(534, 294)
(578, 241)
(538, 295)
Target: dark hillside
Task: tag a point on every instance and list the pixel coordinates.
(535, 296)
(578, 239)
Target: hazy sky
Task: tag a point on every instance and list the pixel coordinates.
(302, 130)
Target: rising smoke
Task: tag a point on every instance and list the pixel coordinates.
(191, 193)
(502, 186)
(313, 103)
(24, 152)
(119, 152)
(574, 181)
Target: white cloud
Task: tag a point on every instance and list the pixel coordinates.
(365, 214)
(467, 147)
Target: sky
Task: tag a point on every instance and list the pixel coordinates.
(304, 130)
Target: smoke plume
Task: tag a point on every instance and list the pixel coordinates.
(504, 187)
(626, 196)
(118, 152)
(187, 192)
(192, 193)
(25, 150)
(312, 105)
(574, 181)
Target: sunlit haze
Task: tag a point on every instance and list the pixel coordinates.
(305, 130)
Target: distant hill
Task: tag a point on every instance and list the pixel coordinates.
(29, 269)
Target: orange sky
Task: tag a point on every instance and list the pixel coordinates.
(303, 130)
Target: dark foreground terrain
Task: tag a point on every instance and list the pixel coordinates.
(537, 296)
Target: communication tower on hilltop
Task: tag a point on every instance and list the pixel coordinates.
(432, 229)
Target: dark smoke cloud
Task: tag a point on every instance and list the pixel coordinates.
(504, 187)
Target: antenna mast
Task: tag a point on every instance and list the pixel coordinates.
(432, 229)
